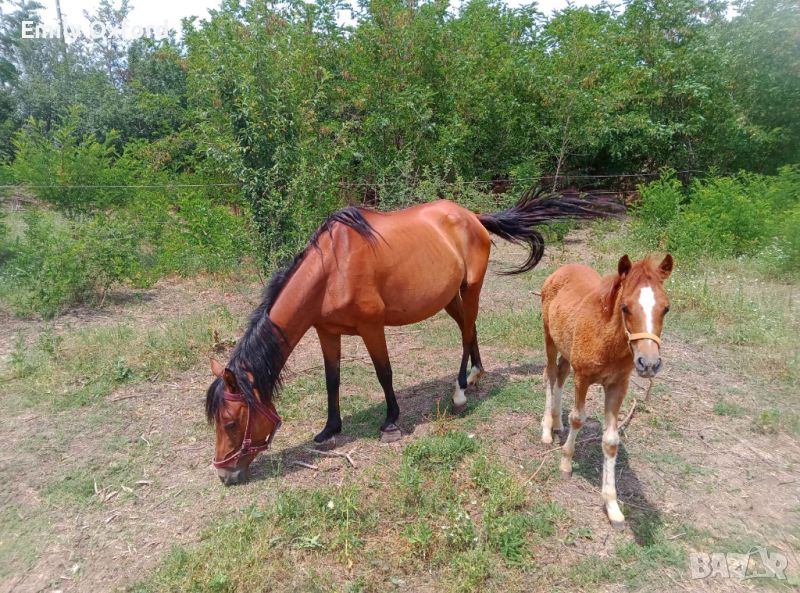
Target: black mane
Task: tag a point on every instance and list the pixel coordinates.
(260, 350)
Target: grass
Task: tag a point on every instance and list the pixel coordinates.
(724, 408)
(79, 368)
(85, 485)
(23, 534)
(454, 512)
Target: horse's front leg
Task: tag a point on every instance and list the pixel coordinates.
(615, 393)
(332, 355)
(375, 341)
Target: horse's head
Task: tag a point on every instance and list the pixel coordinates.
(644, 303)
(244, 425)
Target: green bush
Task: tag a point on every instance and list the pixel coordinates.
(741, 215)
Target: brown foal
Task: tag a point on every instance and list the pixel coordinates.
(603, 328)
(364, 270)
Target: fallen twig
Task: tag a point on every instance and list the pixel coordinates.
(333, 454)
(304, 464)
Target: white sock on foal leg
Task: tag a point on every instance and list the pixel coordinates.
(610, 446)
(547, 418)
(558, 425)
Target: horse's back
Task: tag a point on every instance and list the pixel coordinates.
(421, 257)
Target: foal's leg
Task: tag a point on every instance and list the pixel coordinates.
(332, 355)
(615, 393)
(550, 380)
(576, 419)
(375, 341)
(558, 389)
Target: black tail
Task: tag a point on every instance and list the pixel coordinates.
(517, 224)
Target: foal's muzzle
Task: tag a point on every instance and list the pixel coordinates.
(647, 367)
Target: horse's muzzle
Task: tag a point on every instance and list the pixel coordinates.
(232, 476)
(647, 367)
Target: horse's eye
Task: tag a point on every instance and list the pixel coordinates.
(625, 309)
(666, 309)
(229, 425)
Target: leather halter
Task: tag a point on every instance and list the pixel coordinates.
(247, 447)
(642, 336)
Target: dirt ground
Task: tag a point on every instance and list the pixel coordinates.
(682, 463)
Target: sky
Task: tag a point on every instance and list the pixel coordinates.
(155, 13)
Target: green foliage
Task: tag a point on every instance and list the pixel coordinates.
(743, 215)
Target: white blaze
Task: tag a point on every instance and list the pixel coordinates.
(647, 299)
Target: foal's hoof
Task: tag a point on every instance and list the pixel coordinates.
(617, 525)
(566, 475)
(458, 409)
(391, 434)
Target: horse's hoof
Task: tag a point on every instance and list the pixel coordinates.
(325, 445)
(458, 409)
(617, 525)
(474, 376)
(391, 435)
(547, 439)
(566, 475)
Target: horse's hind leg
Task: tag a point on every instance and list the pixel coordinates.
(456, 310)
(375, 341)
(477, 366)
(469, 302)
(332, 355)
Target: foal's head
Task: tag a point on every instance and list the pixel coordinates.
(638, 291)
(244, 427)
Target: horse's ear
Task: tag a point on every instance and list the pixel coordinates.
(624, 265)
(230, 381)
(216, 367)
(665, 267)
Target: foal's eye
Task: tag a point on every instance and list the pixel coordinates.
(625, 309)
(229, 425)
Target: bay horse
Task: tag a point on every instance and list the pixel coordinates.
(603, 328)
(361, 271)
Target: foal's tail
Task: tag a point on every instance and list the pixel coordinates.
(517, 224)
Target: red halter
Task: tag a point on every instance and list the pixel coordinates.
(247, 447)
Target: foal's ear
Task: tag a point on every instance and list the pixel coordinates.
(216, 367)
(624, 265)
(665, 267)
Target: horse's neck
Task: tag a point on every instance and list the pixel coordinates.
(297, 307)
